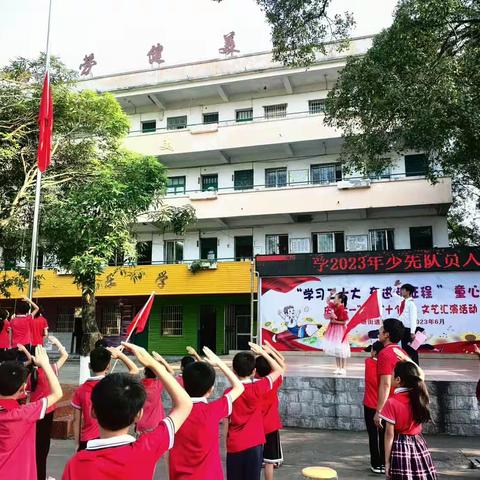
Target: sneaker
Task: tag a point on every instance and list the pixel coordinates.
(336, 371)
(383, 469)
(342, 372)
(376, 470)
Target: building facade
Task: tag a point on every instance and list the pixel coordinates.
(245, 144)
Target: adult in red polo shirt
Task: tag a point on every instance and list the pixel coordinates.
(391, 332)
(21, 323)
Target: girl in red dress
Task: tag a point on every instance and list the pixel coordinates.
(333, 343)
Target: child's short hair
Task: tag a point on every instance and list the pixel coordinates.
(186, 360)
(101, 343)
(244, 364)
(262, 366)
(99, 359)
(12, 376)
(22, 308)
(409, 288)
(394, 327)
(198, 379)
(149, 373)
(343, 298)
(287, 308)
(377, 346)
(117, 399)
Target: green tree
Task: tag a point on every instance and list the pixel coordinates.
(417, 88)
(301, 28)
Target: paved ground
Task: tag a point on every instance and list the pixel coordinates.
(344, 451)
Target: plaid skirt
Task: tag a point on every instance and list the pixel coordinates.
(411, 459)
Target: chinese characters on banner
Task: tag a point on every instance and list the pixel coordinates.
(448, 307)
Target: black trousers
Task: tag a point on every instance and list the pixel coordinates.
(42, 444)
(376, 439)
(407, 338)
(245, 465)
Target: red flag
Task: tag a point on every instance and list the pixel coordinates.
(141, 318)
(370, 310)
(45, 125)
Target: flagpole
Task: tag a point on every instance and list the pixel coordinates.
(38, 187)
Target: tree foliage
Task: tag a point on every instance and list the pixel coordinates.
(417, 88)
(301, 28)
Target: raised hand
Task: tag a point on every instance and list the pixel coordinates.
(191, 351)
(212, 358)
(142, 355)
(41, 358)
(116, 352)
(257, 349)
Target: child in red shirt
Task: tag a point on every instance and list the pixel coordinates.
(196, 454)
(406, 453)
(5, 336)
(272, 450)
(39, 329)
(21, 324)
(186, 360)
(117, 402)
(17, 432)
(153, 412)
(375, 434)
(333, 342)
(246, 435)
(85, 427)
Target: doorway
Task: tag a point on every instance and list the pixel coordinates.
(207, 333)
(208, 246)
(237, 327)
(243, 248)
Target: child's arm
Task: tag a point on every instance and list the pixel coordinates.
(34, 306)
(182, 403)
(389, 434)
(163, 362)
(280, 359)
(61, 349)
(215, 361)
(191, 351)
(77, 423)
(277, 370)
(41, 360)
(383, 392)
(118, 354)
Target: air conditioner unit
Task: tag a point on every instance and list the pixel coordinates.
(354, 183)
(209, 195)
(204, 128)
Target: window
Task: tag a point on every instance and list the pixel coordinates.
(210, 183)
(110, 320)
(243, 179)
(210, 117)
(176, 123)
(384, 174)
(144, 253)
(421, 237)
(316, 106)
(244, 115)
(173, 251)
(299, 245)
(208, 248)
(176, 186)
(327, 173)
(415, 165)
(276, 244)
(381, 240)
(149, 126)
(171, 321)
(275, 177)
(275, 111)
(328, 242)
(243, 248)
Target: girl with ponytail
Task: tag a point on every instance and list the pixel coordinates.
(406, 454)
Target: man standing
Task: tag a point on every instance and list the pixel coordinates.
(408, 315)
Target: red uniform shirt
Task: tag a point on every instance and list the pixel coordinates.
(245, 429)
(21, 332)
(196, 454)
(17, 438)
(340, 312)
(82, 400)
(387, 360)
(270, 409)
(370, 396)
(153, 412)
(5, 335)
(398, 411)
(122, 457)
(42, 389)
(37, 327)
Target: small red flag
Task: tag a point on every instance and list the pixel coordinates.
(45, 125)
(370, 310)
(141, 318)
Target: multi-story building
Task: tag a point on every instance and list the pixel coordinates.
(245, 144)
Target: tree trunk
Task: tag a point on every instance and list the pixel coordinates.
(90, 328)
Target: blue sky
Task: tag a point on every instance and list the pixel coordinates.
(120, 32)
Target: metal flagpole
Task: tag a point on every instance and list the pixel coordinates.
(38, 188)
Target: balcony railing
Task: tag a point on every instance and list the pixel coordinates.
(230, 122)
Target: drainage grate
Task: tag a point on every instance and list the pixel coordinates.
(474, 462)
